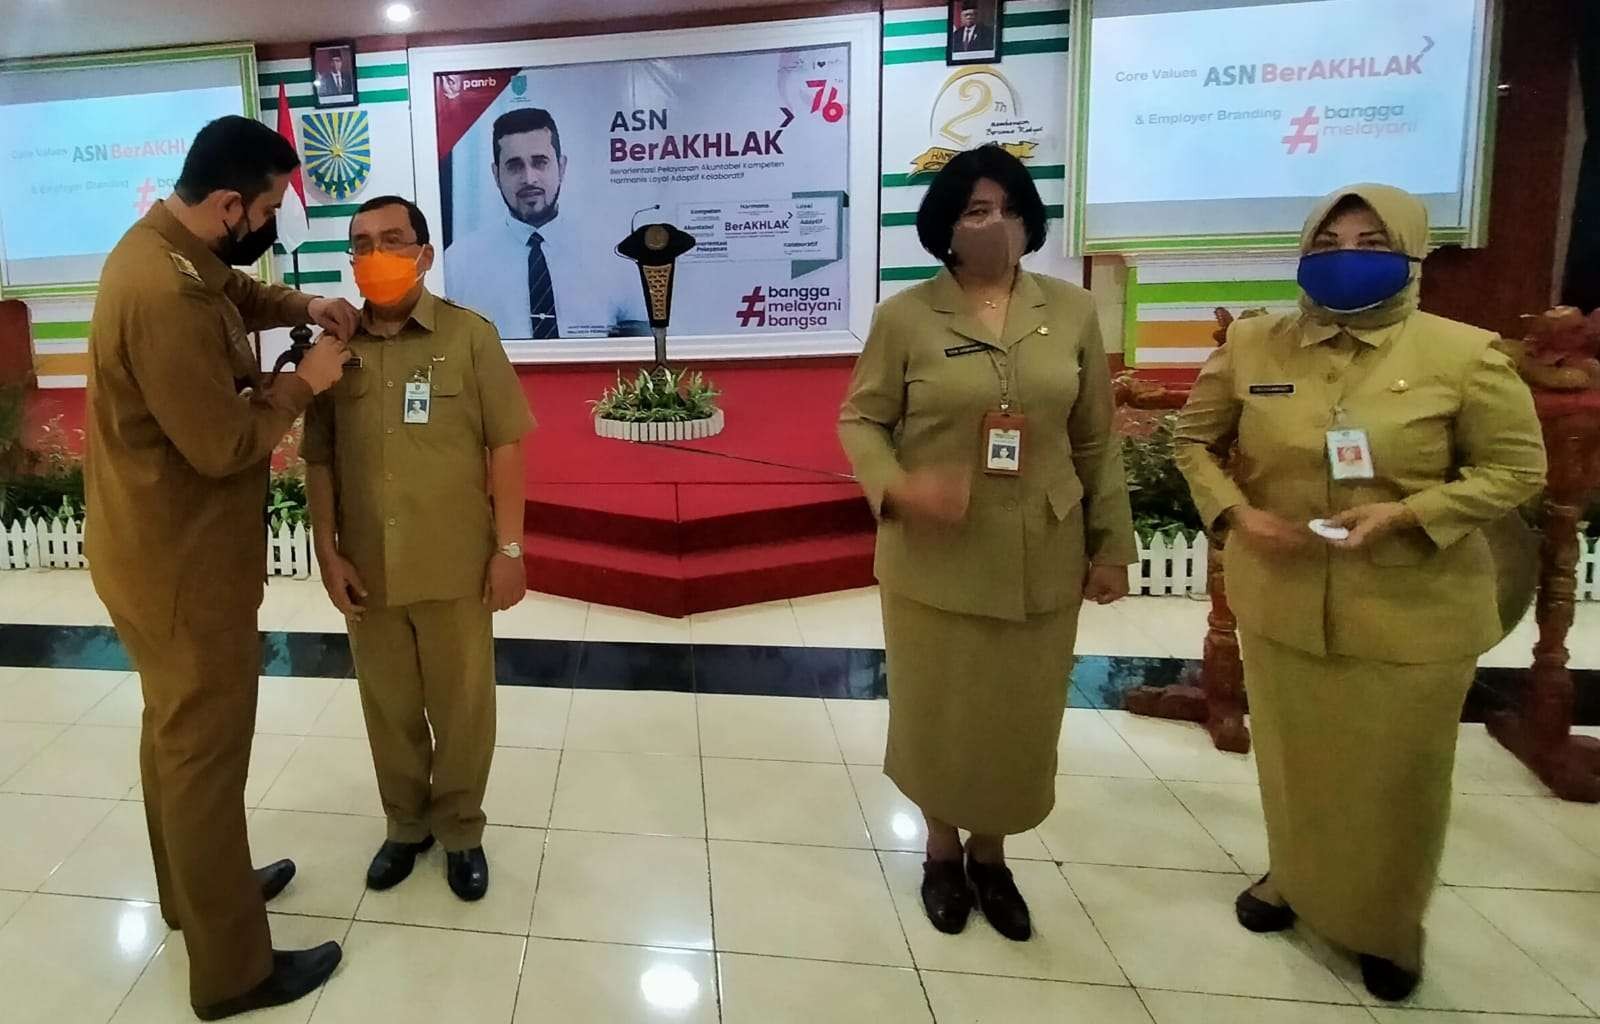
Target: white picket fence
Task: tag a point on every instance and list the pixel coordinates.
(1178, 566)
(58, 544)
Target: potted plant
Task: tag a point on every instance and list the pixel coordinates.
(659, 404)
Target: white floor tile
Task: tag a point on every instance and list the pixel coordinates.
(113, 861)
(1388, 1016)
(1231, 814)
(269, 755)
(644, 794)
(63, 958)
(342, 715)
(761, 625)
(767, 728)
(10, 903)
(42, 832)
(334, 776)
(783, 802)
(20, 742)
(1180, 751)
(402, 975)
(1064, 947)
(593, 981)
(291, 705)
(532, 716)
(633, 723)
(1559, 930)
(543, 617)
(1484, 767)
(861, 727)
(636, 890)
(51, 695)
(425, 898)
(85, 760)
(1133, 822)
(973, 999)
(807, 902)
(123, 706)
(623, 625)
(162, 993)
(1504, 842)
(1193, 1008)
(522, 783)
(1176, 930)
(775, 990)
(1090, 746)
(330, 851)
(895, 823)
(852, 619)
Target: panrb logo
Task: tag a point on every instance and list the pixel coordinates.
(450, 85)
(755, 309)
(519, 85)
(1303, 134)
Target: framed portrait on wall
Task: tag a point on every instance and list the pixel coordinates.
(974, 32)
(333, 70)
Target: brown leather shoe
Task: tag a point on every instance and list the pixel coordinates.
(946, 896)
(1386, 979)
(1257, 915)
(295, 973)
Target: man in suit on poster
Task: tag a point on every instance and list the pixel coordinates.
(973, 34)
(334, 80)
(532, 271)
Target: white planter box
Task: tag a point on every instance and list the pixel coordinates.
(657, 433)
(58, 544)
(1170, 567)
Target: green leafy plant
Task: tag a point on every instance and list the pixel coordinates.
(1160, 496)
(286, 501)
(659, 395)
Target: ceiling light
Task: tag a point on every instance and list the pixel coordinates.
(399, 14)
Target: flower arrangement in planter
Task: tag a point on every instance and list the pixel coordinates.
(1160, 497)
(659, 404)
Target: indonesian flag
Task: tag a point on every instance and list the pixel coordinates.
(293, 228)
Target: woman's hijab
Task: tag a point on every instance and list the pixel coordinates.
(1405, 217)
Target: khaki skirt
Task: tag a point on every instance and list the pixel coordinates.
(1355, 759)
(975, 708)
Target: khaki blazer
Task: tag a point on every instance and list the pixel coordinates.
(1453, 435)
(928, 375)
(181, 427)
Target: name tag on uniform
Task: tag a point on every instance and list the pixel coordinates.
(1002, 443)
(965, 350)
(419, 397)
(1272, 389)
(1349, 455)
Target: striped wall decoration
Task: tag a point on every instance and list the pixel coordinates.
(60, 334)
(1034, 48)
(385, 97)
(1168, 310)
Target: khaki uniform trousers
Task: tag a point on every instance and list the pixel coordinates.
(427, 690)
(200, 692)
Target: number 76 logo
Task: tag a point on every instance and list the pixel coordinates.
(825, 100)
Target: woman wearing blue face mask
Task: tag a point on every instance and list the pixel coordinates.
(1375, 443)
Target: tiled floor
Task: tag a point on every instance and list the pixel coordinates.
(707, 856)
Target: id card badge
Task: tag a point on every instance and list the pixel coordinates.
(1002, 443)
(1349, 455)
(419, 397)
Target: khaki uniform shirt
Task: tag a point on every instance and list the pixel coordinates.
(1453, 435)
(181, 428)
(414, 514)
(928, 375)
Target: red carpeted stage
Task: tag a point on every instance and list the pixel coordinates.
(694, 527)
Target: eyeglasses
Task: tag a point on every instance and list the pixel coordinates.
(365, 246)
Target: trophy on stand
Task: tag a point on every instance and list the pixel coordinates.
(660, 404)
(656, 248)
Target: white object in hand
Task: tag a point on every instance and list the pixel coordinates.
(1327, 531)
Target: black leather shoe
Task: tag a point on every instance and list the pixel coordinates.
(1259, 916)
(295, 973)
(1386, 979)
(946, 896)
(393, 863)
(468, 871)
(1000, 901)
(274, 878)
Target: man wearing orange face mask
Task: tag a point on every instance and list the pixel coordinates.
(415, 486)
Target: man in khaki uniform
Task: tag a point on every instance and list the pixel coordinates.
(415, 486)
(181, 427)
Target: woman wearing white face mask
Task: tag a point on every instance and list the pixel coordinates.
(979, 424)
(1397, 436)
